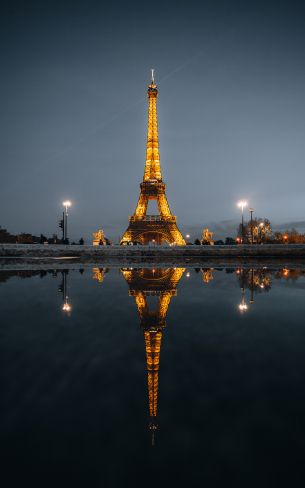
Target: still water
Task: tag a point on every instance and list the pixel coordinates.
(153, 377)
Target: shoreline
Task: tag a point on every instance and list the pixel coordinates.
(24, 256)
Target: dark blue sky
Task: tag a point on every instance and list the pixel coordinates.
(231, 82)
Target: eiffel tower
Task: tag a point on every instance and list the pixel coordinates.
(142, 284)
(159, 228)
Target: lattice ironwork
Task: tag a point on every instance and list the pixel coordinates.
(144, 228)
(161, 283)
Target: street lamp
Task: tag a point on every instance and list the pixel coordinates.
(242, 204)
(251, 210)
(187, 236)
(66, 204)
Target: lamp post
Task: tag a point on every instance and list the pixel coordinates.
(242, 204)
(251, 210)
(66, 205)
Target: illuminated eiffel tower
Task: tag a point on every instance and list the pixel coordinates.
(142, 284)
(160, 228)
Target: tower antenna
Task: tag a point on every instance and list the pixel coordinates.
(152, 75)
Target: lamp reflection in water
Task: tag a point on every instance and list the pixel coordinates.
(143, 284)
(66, 307)
(243, 306)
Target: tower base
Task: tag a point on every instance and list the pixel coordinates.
(153, 229)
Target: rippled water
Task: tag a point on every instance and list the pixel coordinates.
(153, 377)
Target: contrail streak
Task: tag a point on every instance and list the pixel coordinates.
(109, 121)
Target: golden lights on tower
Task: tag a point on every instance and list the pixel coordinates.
(159, 228)
(161, 283)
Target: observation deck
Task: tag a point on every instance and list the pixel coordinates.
(152, 218)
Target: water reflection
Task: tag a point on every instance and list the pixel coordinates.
(98, 274)
(66, 307)
(145, 284)
(85, 394)
(207, 275)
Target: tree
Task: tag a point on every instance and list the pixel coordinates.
(6, 237)
(261, 229)
(81, 241)
(197, 242)
(230, 241)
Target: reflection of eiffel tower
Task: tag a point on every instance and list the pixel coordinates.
(157, 228)
(142, 284)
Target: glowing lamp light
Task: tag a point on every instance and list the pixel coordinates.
(243, 307)
(187, 236)
(188, 275)
(242, 203)
(67, 203)
(66, 307)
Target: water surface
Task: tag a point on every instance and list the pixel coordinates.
(153, 377)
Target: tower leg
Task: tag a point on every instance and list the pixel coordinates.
(141, 206)
(163, 206)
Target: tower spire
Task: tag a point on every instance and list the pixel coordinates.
(152, 164)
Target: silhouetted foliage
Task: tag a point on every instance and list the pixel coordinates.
(6, 237)
(230, 241)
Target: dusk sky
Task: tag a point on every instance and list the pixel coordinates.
(73, 118)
